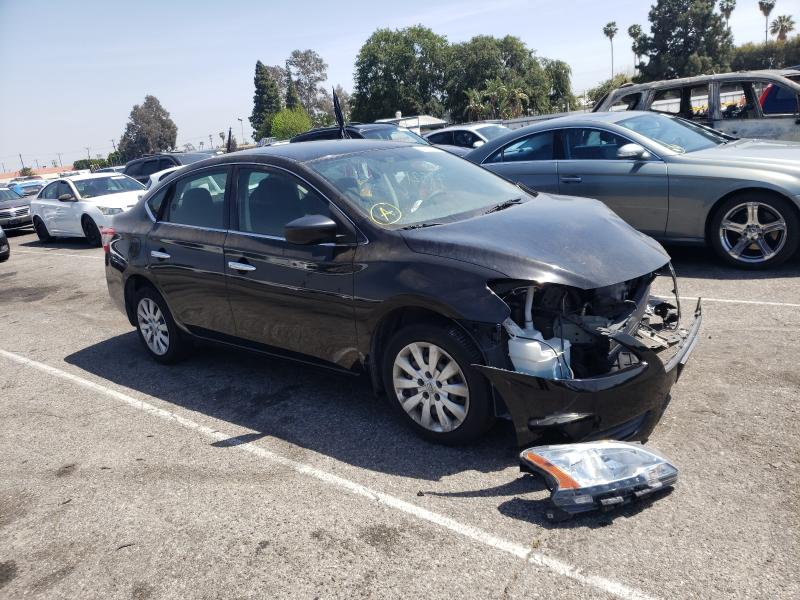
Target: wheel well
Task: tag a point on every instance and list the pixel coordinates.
(133, 285)
(393, 322)
(739, 192)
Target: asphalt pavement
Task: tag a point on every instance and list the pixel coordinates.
(232, 475)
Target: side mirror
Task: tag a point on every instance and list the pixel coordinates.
(633, 151)
(478, 143)
(311, 229)
(66, 198)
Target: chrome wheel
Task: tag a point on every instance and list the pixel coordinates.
(153, 326)
(430, 387)
(752, 232)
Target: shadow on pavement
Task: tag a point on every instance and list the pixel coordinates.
(692, 261)
(332, 414)
(76, 243)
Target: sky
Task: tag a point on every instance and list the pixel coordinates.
(72, 71)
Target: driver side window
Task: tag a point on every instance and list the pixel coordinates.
(50, 192)
(591, 144)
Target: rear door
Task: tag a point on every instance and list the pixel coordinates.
(530, 160)
(186, 250)
(286, 296)
(637, 190)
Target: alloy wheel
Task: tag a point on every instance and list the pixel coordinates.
(430, 386)
(753, 232)
(153, 326)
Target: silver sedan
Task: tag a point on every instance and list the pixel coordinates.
(670, 178)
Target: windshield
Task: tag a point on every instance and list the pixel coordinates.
(8, 194)
(397, 187)
(676, 134)
(103, 186)
(395, 134)
(492, 131)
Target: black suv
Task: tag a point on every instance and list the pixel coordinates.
(141, 168)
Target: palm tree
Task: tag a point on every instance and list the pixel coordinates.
(476, 109)
(782, 26)
(610, 30)
(635, 32)
(726, 8)
(766, 6)
(514, 102)
(495, 93)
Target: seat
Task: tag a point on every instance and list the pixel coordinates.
(197, 208)
(273, 204)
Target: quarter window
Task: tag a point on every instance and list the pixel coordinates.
(268, 200)
(199, 201)
(538, 146)
(591, 144)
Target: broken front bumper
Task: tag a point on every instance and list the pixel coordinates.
(623, 405)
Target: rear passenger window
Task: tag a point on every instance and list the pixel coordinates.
(199, 201)
(268, 200)
(538, 146)
(446, 137)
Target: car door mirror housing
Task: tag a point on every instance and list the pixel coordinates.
(311, 229)
(66, 198)
(633, 151)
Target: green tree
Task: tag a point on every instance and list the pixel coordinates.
(781, 27)
(766, 6)
(596, 93)
(266, 101)
(635, 32)
(292, 99)
(559, 78)
(308, 71)
(476, 109)
(401, 70)
(686, 38)
(114, 158)
(289, 122)
(610, 30)
(773, 54)
(25, 172)
(149, 129)
(726, 7)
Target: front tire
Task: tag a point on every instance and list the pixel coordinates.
(156, 328)
(91, 232)
(755, 230)
(41, 230)
(430, 383)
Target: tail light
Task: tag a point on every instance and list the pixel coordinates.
(106, 235)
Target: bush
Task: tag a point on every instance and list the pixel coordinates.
(85, 163)
(774, 55)
(289, 122)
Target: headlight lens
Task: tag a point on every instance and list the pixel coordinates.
(108, 210)
(596, 475)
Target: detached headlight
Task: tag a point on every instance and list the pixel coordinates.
(598, 475)
(108, 211)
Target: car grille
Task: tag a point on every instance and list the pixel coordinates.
(12, 213)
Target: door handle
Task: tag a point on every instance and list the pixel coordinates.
(572, 179)
(159, 254)
(237, 266)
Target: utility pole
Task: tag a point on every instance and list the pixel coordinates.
(36, 160)
(211, 141)
(89, 156)
(241, 123)
(59, 160)
(4, 166)
(20, 160)
(114, 145)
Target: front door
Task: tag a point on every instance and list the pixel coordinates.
(286, 296)
(186, 251)
(637, 190)
(529, 160)
(66, 215)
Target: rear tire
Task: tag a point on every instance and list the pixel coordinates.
(41, 230)
(157, 330)
(426, 369)
(91, 232)
(755, 230)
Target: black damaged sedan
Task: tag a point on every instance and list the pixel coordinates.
(462, 296)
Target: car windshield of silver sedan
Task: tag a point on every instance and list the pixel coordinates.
(103, 186)
(676, 134)
(416, 185)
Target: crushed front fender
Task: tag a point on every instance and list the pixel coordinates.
(624, 405)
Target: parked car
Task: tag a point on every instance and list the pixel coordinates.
(433, 276)
(667, 177)
(469, 135)
(81, 205)
(5, 249)
(28, 187)
(14, 209)
(117, 169)
(754, 104)
(141, 168)
(158, 176)
(370, 131)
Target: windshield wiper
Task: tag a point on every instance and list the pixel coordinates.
(503, 205)
(528, 190)
(419, 226)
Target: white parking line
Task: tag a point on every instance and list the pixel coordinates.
(758, 302)
(554, 565)
(51, 253)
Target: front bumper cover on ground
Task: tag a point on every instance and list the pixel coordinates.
(624, 405)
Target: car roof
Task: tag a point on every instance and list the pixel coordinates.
(467, 126)
(736, 75)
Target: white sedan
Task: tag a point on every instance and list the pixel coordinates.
(81, 205)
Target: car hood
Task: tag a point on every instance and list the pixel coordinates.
(777, 154)
(121, 200)
(549, 239)
(14, 202)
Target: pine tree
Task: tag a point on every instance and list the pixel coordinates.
(292, 99)
(266, 100)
